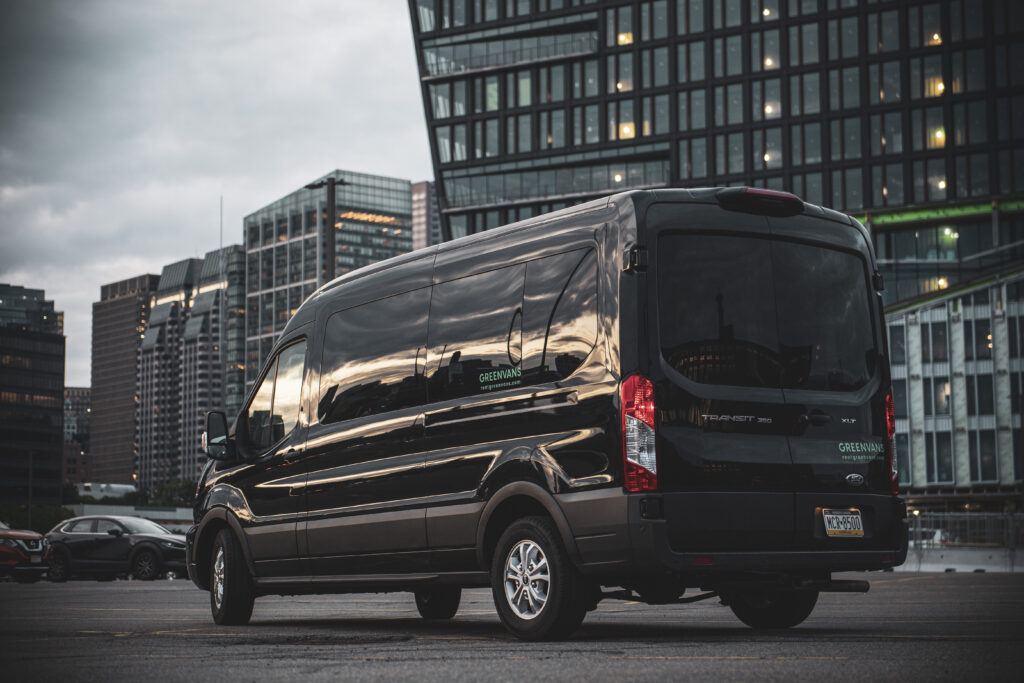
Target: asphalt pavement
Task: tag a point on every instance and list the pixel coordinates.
(908, 627)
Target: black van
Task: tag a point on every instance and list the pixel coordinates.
(644, 394)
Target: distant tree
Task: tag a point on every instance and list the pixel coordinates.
(44, 517)
(175, 493)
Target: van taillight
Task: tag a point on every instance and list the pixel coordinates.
(890, 442)
(639, 459)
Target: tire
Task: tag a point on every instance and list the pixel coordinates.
(554, 603)
(60, 567)
(231, 591)
(145, 565)
(773, 609)
(441, 602)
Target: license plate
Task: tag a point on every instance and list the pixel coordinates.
(843, 523)
(37, 558)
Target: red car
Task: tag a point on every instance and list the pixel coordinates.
(23, 554)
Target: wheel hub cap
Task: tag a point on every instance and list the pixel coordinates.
(527, 580)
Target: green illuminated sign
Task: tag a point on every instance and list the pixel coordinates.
(500, 379)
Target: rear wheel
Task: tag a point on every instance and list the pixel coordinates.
(773, 609)
(145, 566)
(231, 592)
(60, 568)
(538, 592)
(441, 602)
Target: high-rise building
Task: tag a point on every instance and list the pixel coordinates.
(288, 245)
(907, 114)
(31, 397)
(426, 217)
(119, 319)
(76, 465)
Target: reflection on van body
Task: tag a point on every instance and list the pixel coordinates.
(630, 398)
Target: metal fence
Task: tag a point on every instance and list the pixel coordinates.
(967, 530)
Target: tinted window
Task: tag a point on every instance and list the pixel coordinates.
(374, 357)
(144, 526)
(762, 313)
(105, 525)
(78, 527)
(476, 334)
(560, 314)
(273, 414)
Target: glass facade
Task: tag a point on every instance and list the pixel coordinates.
(286, 248)
(861, 105)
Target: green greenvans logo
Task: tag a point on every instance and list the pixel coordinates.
(500, 379)
(860, 451)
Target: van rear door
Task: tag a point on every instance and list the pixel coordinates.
(765, 351)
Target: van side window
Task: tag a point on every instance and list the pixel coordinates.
(475, 334)
(374, 357)
(560, 315)
(273, 414)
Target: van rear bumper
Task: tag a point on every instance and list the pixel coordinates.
(639, 543)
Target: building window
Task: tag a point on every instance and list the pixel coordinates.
(766, 99)
(764, 10)
(886, 134)
(621, 120)
(968, 71)
(552, 83)
(925, 25)
(845, 138)
(800, 7)
(926, 77)
(764, 50)
(805, 94)
(884, 83)
(887, 185)
(692, 109)
(980, 399)
(970, 123)
(726, 13)
(426, 15)
(806, 143)
(654, 65)
(693, 158)
(584, 79)
(552, 129)
(844, 88)
(767, 149)
(619, 23)
(728, 56)
(690, 57)
(898, 347)
(689, 16)
(728, 104)
(809, 187)
(1007, 60)
(978, 339)
(803, 44)
(443, 135)
(899, 397)
(983, 456)
(939, 458)
(654, 20)
(620, 72)
(842, 38)
(586, 125)
(729, 154)
(847, 189)
(972, 175)
(656, 115)
(965, 21)
(928, 128)
(883, 31)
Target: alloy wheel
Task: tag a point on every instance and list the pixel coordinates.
(527, 579)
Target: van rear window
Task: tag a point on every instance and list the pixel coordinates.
(749, 311)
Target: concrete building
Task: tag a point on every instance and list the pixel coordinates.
(119, 319)
(76, 465)
(426, 217)
(31, 397)
(293, 244)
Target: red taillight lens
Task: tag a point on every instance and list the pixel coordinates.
(639, 458)
(890, 442)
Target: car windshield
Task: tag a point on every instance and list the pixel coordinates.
(4, 526)
(137, 525)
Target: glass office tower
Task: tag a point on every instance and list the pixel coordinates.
(907, 114)
(287, 242)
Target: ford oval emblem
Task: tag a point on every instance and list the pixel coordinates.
(854, 479)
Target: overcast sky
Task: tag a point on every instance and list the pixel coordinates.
(123, 122)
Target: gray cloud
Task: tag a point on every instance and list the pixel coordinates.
(123, 122)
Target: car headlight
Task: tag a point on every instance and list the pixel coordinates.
(9, 541)
(172, 545)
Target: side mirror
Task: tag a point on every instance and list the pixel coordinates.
(215, 438)
(114, 532)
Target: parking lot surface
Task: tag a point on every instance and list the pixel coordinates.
(909, 626)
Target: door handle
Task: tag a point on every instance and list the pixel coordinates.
(817, 419)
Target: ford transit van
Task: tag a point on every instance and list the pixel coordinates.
(662, 396)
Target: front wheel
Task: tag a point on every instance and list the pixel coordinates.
(231, 592)
(538, 592)
(441, 602)
(145, 566)
(60, 568)
(773, 609)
